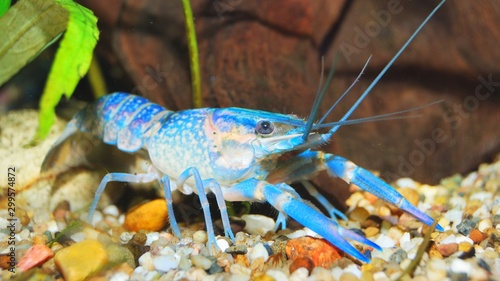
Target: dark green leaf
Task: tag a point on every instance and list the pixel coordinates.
(27, 28)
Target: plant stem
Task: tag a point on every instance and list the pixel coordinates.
(193, 53)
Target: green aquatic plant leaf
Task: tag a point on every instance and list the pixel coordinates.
(71, 63)
(28, 28)
(72, 227)
(193, 53)
(4, 6)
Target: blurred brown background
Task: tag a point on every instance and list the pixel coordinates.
(267, 55)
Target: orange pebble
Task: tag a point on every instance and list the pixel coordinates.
(477, 236)
(35, 256)
(152, 216)
(447, 250)
(299, 262)
(318, 250)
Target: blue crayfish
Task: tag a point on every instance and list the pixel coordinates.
(234, 153)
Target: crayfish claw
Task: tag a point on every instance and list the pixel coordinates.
(351, 173)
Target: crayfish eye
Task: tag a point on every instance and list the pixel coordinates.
(264, 127)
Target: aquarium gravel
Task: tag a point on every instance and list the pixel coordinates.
(60, 244)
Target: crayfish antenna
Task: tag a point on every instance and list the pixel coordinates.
(345, 92)
(319, 96)
(381, 117)
(384, 70)
(317, 101)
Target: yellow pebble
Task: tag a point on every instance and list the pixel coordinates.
(410, 194)
(359, 214)
(367, 267)
(40, 239)
(348, 276)
(441, 200)
(383, 211)
(79, 261)
(366, 276)
(264, 277)
(440, 237)
(464, 246)
(371, 231)
(354, 199)
(433, 253)
(152, 216)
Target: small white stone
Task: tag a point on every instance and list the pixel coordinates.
(458, 202)
(97, 217)
(125, 237)
(296, 234)
(238, 277)
(460, 238)
(151, 275)
(276, 274)
(121, 219)
(119, 276)
(385, 254)
(184, 263)
(52, 224)
(24, 234)
(222, 244)
(179, 275)
(448, 240)
(152, 236)
(320, 273)
(385, 241)
(258, 251)
(405, 238)
(429, 193)
(481, 196)
(258, 224)
(310, 232)
(138, 273)
(469, 180)
(111, 210)
(238, 269)
(3, 223)
(184, 251)
(461, 266)
(200, 236)
(484, 225)
(354, 269)
(78, 237)
(299, 274)
(405, 263)
(166, 263)
(454, 216)
(482, 212)
(195, 274)
(167, 251)
(337, 272)
(406, 182)
(186, 241)
(201, 261)
(380, 276)
(146, 261)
